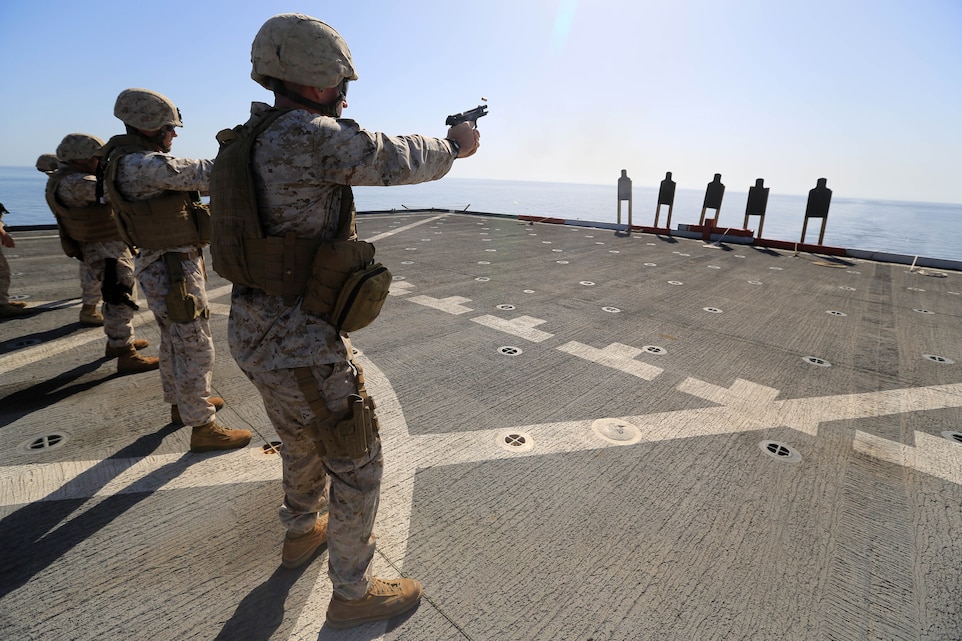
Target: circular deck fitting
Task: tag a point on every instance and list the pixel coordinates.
(938, 359)
(780, 451)
(20, 343)
(755, 282)
(654, 349)
(482, 279)
(527, 291)
(509, 350)
(267, 451)
(713, 310)
(815, 360)
(611, 310)
(616, 431)
(955, 437)
(675, 282)
(514, 441)
(406, 262)
(484, 262)
(846, 288)
(562, 262)
(44, 442)
(915, 289)
(923, 311)
(586, 283)
(836, 313)
(505, 306)
(651, 264)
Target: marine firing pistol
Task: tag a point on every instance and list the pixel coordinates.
(467, 116)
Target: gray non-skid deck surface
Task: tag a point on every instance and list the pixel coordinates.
(574, 422)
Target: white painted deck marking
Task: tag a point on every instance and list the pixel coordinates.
(449, 305)
(617, 356)
(522, 327)
(400, 288)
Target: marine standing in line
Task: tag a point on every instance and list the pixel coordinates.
(156, 198)
(303, 160)
(8, 308)
(88, 232)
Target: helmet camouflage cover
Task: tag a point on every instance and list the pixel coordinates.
(47, 162)
(78, 147)
(147, 110)
(300, 49)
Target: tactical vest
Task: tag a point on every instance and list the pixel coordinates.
(175, 219)
(90, 224)
(241, 252)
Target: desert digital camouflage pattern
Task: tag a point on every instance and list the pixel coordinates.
(77, 189)
(300, 191)
(186, 349)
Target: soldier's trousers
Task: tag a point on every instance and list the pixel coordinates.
(186, 349)
(349, 488)
(4, 279)
(118, 319)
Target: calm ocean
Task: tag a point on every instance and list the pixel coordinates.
(914, 229)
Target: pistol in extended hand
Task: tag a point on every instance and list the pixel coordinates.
(471, 115)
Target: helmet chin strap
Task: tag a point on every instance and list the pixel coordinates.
(330, 109)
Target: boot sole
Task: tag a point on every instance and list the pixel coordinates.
(215, 448)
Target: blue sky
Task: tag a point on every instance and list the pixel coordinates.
(865, 94)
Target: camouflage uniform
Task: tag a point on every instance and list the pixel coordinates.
(78, 189)
(4, 273)
(186, 349)
(299, 164)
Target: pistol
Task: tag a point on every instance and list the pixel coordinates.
(471, 115)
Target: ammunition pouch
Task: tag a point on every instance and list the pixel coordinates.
(346, 286)
(350, 438)
(182, 307)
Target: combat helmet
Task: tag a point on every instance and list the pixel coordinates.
(78, 147)
(147, 110)
(297, 48)
(47, 163)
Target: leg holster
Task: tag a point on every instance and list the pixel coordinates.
(181, 306)
(351, 437)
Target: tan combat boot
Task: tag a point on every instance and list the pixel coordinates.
(130, 362)
(114, 352)
(216, 401)
(384, 600)
(299, 548)
(215, 436)
(12, 310)
(90, 316)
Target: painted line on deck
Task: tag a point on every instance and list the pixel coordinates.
(30, 355)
